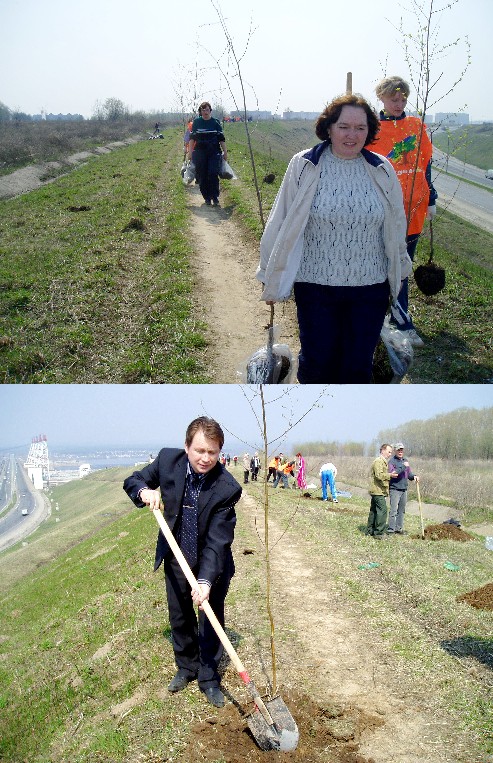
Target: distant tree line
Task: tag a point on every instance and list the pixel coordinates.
(334, 448)
(466, 433)
(110, 110)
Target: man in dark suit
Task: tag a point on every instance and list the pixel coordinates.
(199, 497)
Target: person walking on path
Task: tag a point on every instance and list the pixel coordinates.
(198, 498)
(379, 488)
(300, 475)
(206, 149)
(404, 141)
(246, 467)
(328, 474)
(398, 489)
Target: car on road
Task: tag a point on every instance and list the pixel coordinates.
(489, 174)
(24, 512)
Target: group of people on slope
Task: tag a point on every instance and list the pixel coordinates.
(281, 468)
(343, 229)
(389, 477)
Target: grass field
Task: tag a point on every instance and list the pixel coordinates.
(84, 641)
(95, 280)
(472, 144)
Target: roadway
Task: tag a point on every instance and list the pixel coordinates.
(14, 525)
(467, 201)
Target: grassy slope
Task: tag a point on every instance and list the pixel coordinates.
(84, 297)
(87, 631)
(457, 348)
(473, 144)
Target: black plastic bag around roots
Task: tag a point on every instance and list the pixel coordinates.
(429, 278)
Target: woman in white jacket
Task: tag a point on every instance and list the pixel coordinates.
(337, 233)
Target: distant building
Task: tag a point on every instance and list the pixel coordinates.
(449, 118)
(311, 115)
(251, 115)
(64, 118)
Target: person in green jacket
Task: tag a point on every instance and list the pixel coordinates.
(379, 488)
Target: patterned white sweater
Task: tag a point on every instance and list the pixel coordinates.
(343, 240)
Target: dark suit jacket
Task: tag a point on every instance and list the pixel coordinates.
(216, 514)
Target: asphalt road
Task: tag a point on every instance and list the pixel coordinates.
(14, 527)
(467, 201)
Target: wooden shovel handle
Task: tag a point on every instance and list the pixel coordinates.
(420, 510)
(185, 568)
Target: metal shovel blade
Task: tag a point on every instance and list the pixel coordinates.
(282, 735)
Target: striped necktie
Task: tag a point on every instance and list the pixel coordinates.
(189, 533)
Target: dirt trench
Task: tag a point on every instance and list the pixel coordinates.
(229, 293)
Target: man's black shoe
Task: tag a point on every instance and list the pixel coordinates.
(181, 679)
(214, 696)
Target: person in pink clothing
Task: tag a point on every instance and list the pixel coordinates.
(300, 476)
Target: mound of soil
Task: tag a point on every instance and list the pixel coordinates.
(328, 732)
(446, 532)
(481, 598)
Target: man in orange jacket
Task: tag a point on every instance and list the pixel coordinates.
(403, 140)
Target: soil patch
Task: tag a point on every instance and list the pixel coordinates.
(481, 598)
(446, 532)
(327, 732)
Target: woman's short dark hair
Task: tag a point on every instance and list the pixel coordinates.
(204, 105)
(332, 112)
(208, 426)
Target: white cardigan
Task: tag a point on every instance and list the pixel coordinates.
(281, 245)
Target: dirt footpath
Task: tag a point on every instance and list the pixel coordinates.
(229, 294)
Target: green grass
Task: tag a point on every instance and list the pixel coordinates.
(84, 640)
(458, 348)
(95, 279)
(472, 144)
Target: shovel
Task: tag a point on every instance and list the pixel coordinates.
(420, 511)
(272, 725)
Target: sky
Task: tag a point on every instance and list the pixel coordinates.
(63, 57)
(152, 416)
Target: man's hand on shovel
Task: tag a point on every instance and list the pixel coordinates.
(200, 594)
(152, 498)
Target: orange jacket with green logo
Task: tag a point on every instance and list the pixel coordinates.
(399, 140)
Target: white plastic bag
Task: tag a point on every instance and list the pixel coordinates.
(227, 173)
(399, 349)
(188, 172)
